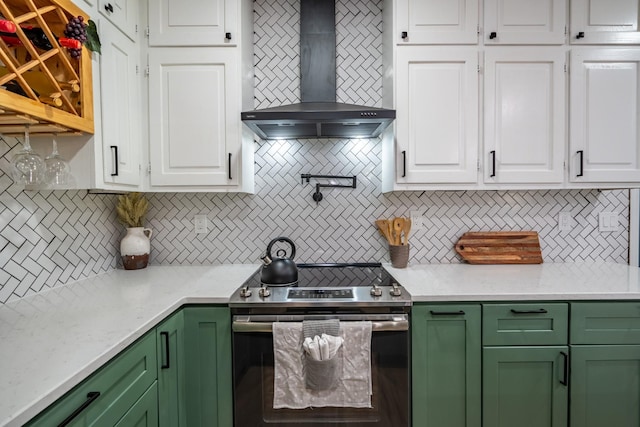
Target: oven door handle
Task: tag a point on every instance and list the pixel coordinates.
(376, 326)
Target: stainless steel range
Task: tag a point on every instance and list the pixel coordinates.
(351, 292)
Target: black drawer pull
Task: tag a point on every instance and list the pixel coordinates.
(230, 167)
(538, 311)
(581, 154)
(404, 164)
(91, 396)
(565, 375)
(447, 313)
(493, 163)
(165, 363)
(114, 149)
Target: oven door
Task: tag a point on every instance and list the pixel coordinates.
(253, 375)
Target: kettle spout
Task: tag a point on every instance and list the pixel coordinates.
(266, 259)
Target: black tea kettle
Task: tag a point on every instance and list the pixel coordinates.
(279, 270)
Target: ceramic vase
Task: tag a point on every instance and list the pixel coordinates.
(135, 248)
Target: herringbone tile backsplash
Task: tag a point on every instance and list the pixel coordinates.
(51, 238)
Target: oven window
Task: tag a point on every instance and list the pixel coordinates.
(253, 386)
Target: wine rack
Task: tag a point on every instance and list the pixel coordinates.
(47, 90)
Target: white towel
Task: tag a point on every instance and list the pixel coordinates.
(353, 387)
(322, 348)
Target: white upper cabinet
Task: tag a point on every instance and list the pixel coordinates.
(525, 21)
(605, 106)
(436, 115)
(124, 14)
(604, 21)
(194, 117)
(120, 108)
(193, 22)
(437, 22)
(525, 110)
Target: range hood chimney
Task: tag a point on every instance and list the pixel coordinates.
(318, 115)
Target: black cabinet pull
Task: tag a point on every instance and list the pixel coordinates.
(447, 313)
(580, 35)
(404, 164)
(230, 167)
(565, 374)
(108, 7)
(493, 35)
(227, 36)
(114, 148)
(91, 396)
(538, 311)
(165, 337)
(581, 154)
(492, 153)
(405, 35)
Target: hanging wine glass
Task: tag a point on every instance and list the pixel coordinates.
(28, 166)
(57, 169)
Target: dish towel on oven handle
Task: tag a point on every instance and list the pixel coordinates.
(353, 386)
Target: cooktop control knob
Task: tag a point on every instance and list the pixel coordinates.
(245, 292)
(376, 291)
(264, 292)
(395, 290)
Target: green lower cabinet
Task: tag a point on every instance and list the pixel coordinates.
(208, 377)
(605, 385)
(171, 371)
(145, 411)
(105, 397)
(525, 386)
(446, 365)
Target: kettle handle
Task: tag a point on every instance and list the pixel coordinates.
(281, 239)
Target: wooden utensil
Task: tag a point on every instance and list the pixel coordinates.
(406, 230)
(384, 228)
(500, 247)
(398, 226)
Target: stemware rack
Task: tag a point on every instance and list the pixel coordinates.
(55, 90)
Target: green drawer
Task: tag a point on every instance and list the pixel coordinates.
(524, 324)
(121, 383)
(605, 323)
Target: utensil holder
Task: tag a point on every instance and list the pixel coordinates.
(399, 255)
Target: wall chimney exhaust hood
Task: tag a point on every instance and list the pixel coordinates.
(318, 115)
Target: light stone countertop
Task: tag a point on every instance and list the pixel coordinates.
(52, 341)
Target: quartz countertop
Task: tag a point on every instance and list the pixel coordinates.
(53, 340)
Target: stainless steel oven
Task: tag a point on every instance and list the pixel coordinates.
(350, 293)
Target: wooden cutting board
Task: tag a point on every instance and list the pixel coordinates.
(500, 247)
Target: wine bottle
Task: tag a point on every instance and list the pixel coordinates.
(36, 35)
(39, 81)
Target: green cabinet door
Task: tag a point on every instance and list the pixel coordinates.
(145, 411)
(208, 377)
(446, 365)
(171, 371)
(605, 385)
(525, 386)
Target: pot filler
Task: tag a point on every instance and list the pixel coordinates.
(318, 115)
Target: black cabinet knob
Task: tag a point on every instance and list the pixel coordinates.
(227, 36)
(108, 7)
(580, 35)
(405, 35)
(493, 35)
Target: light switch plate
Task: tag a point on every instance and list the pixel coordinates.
(565, 221)
(201, 224)
(608, 221)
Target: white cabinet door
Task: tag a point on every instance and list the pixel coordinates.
(525, 113)
(194, 116)
(120, 98)
(604, 21)
(124, 14)
(193, 22)
(604, 111)
(437, 21)
(525, 21)
(437, 114)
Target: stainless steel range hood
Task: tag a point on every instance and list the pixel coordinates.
(318, 115)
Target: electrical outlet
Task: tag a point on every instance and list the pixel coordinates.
(200, 223)
(608, 221)
(416, 220)
(565, 221)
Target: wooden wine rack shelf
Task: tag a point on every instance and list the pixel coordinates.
(55, 89)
